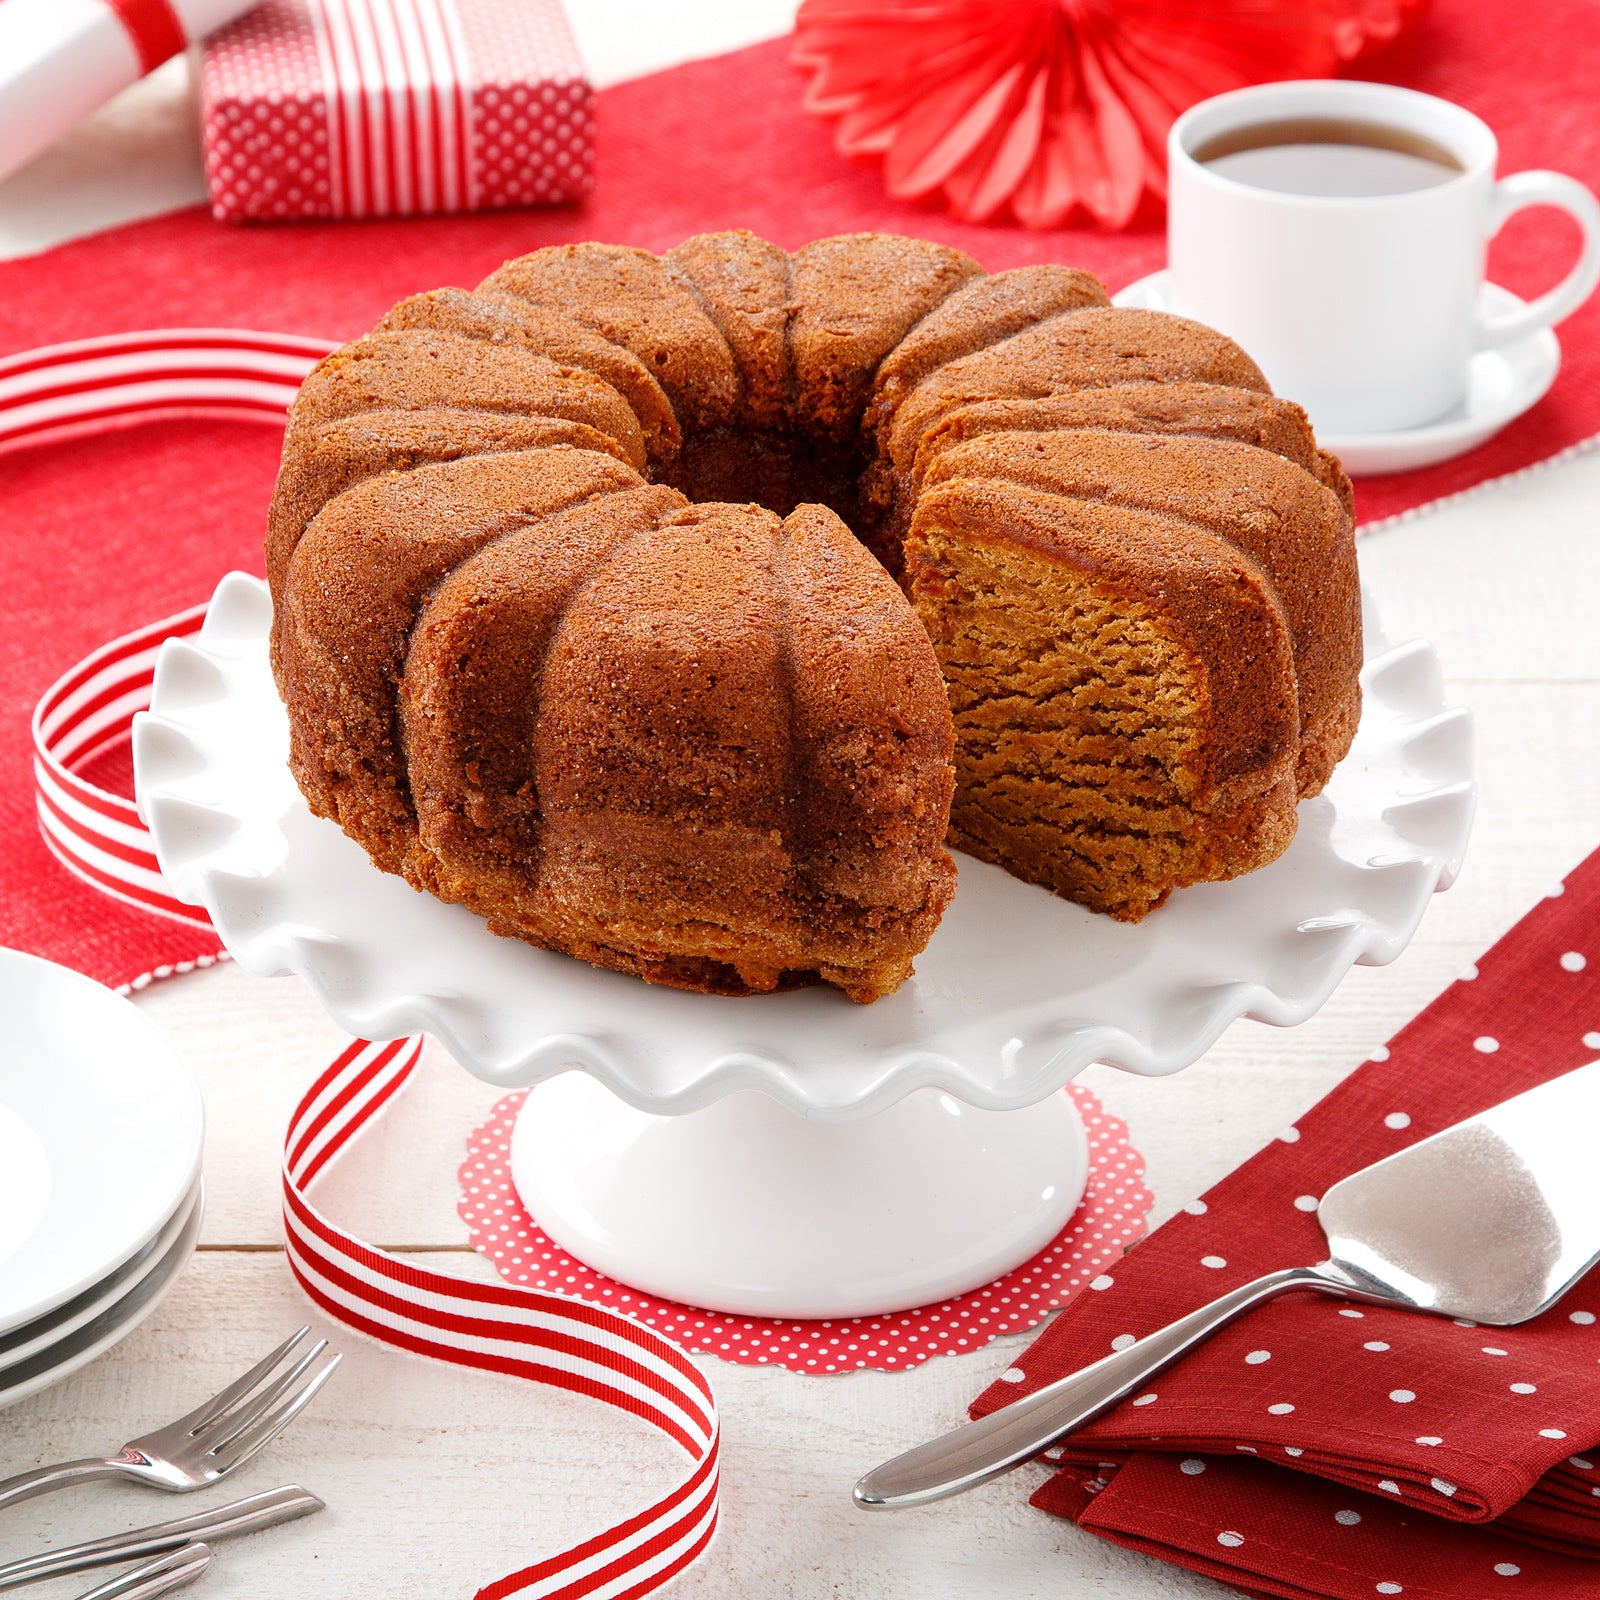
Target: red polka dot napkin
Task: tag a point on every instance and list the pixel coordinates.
(1318, 1448)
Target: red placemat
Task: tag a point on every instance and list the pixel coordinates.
(1110, 1218)
(105, 533)
(725, 143)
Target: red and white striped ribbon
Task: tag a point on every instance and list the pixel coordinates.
(103, 383)
(127, 377)
(525, 1333)
(87, 711)
(393, 150)
(518, 1332)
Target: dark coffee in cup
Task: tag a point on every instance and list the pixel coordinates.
(1329, 157)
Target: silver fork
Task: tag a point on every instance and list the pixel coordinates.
(211, 1440)
(151, 1578)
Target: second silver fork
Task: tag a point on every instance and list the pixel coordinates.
(210, 1441)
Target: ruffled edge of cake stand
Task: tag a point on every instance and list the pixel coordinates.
(217, 797)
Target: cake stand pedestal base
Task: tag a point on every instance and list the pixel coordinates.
(748, 1207)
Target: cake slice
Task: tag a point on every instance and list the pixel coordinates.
(1122, 686)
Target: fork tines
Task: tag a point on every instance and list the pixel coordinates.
(256, 1407)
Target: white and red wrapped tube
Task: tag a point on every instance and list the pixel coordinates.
(60, 59)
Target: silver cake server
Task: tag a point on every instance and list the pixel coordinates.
(1491, 1220)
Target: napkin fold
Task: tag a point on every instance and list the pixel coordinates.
(1228, 1522)
(1321, 1448)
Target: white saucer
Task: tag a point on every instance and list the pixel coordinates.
(78, 1348)
(113, 1132)
(1501, 385)
(1014, 995)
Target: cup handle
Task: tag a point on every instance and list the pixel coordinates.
(1514, 194)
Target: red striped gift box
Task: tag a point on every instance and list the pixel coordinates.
(390, 108)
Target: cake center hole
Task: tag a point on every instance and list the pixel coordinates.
(777, 470)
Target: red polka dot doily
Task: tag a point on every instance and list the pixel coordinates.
(1109, 1219)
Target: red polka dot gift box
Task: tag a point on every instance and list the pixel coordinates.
(392, 108)
(1317, 1448)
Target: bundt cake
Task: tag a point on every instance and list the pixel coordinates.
(673, 611)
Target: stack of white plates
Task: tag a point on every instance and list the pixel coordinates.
(100, 1136)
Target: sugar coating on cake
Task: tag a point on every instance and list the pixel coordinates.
(982, 312)
(630, 298)
(503, 319)
(332, 456)
(672, 612)
(1198, 410)
(742, 284)
(697, 743)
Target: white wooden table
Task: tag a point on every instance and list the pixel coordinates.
(438, 1481)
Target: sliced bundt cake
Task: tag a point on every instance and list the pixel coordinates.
(570, 630)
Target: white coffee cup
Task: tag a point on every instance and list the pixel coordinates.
(1365, 307)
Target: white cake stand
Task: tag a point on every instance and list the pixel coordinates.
(795, 1154)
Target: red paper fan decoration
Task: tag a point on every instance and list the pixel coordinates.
(1053, 109)
(1363, 25)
